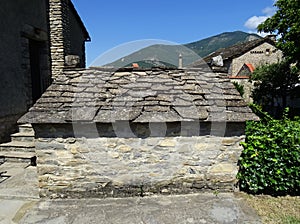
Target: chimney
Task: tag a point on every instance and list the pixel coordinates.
(58, 20)
(271, 37)
(180, 64)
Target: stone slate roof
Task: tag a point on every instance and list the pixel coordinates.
(156, 95)
(234, 51)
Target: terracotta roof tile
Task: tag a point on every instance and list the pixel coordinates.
(250, 66)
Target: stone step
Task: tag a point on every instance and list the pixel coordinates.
(18, 146)
(23, 137)
(19, 157)
(25, 128)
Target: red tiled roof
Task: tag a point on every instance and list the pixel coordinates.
(250, 66)
(135, 65)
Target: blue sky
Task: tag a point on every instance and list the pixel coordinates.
(114, 22)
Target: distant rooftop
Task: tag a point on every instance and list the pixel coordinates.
(235, 50)
(238, 49)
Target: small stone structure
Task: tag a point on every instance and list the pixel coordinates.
(137, 132)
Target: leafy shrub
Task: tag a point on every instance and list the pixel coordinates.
(239, 88)
(270, 161)
(274, 84)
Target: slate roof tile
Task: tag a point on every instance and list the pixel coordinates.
(157, 95)
(118, 114)
(170, 116)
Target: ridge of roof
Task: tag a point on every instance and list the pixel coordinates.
(238, 49)
(78, 18)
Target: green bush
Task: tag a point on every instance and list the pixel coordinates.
(270, 161)
(239, 88)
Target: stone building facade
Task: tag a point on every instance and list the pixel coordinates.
(241, 67)
(241, 59)
(30, 40)
(136, 132)
(265, 53)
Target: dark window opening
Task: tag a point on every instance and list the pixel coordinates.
(35, 61)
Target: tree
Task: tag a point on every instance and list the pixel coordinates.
(273, 84)
(286, 25)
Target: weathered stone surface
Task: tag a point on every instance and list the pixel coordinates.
(200, 208)
(141, 94)
(192, 112)
(124, 148)
(87, 167)
(222, 168)
(230, 141)
(153, 91)
(82, 114)
(169, 116)
(168, 143)
(118, 114)
(156, 108)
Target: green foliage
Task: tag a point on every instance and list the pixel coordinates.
(274, 83)
(290, 220)
(270, 161)
(239, 88)
(286, 25)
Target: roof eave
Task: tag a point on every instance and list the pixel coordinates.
(78, 18)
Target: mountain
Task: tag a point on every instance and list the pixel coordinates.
(209, 45)
(162, 55)
(167, 55)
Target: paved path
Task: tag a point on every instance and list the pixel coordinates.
(22, 206)
(184, 209)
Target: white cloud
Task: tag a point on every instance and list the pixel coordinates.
(254, 21)
(263, 34)
(269, 11)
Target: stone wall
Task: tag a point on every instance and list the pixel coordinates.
(108, 167)
(57, 16)
(248, 88)
(21, 22)
(257, 56)
(66, 34)
(8, 124)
